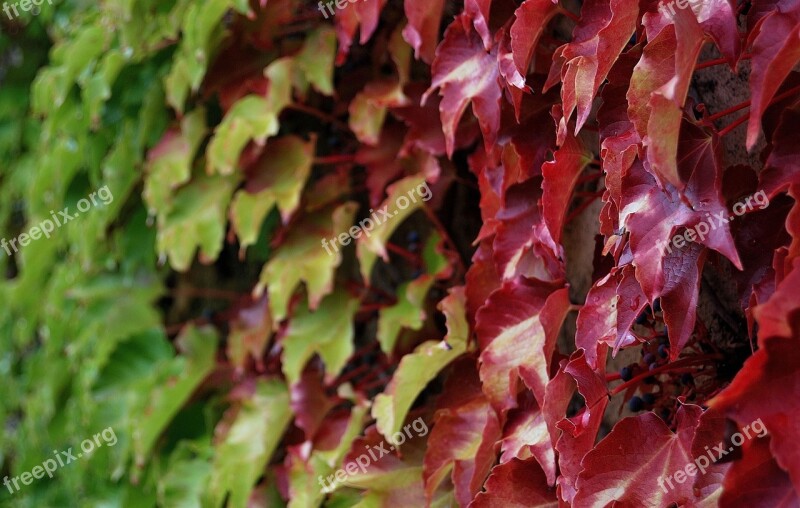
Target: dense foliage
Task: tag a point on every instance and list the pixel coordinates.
(534, 308)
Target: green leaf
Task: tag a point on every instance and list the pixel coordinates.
(304, 257)
(251, 118)
(278, 178)
(197, 219)
(328, 331)
(417, 369)
(177, 383)
(252, 438)
(316, 59)
(373, 243)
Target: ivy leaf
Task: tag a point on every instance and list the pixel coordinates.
(463, 438)
(196, 219)
(417, 369)
(176, 383)
(276, 178)
(409, 311)
(316, 60)
(169, 164)
(249, 335)
(254, 430)
(612, 306)
(372, 243)
(422, 30)
(303, 257)
(251, 118)
(602, 33)
(653, 453)
(530, 20)
(516, 332)
(560, 177)
(516, 484)
(527, 435)
(757, 480)
(327, 331)
(464, 72)
(775, 51)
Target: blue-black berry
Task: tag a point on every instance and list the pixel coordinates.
(657, 305)
(649, 358)
(625, 373)
(662, 351)
(641, 318)
(636, 404)
(648, 398)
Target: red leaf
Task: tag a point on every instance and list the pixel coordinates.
(560, 177)
(611, 307)
(464, 72)
(516, 484)
(650, 455)
(463, 437)
(516, 332)
(756, 481)
(422, 30)
(775, 51)
(604, 29)
(531, 18)
(526, 435)
(782, 168)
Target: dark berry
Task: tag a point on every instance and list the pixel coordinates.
(635, 404)
(625, 373)
(662, 351)
(657, 305)
(649, 358)
(653, 366)
(649, 398)
(687, 378)
(641, 319)
(413, 236)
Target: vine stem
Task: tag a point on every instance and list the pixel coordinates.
(319, 114)
(335, 159)
(739, 121)
(664, 368)
(717, 61)
(568, 14)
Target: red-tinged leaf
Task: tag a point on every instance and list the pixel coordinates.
(425, 125)
(604, 29)
(526, 435)
(463, 438)
(659, 86)
(382, 162)
(482, 279)
(249, 335)
(712, 429)
(560, 177)
(310, 404)
(680, 295)
(618, 138)
(611, 307)
(464, 72)
(516, 333)
(756, 481)
(782, 168)
(775, 51)
(578, 434)
(654, 215)
(531, 18)
(516, 484)
(422, 30)
(767, 386)
(477, 14)
(778, 317)
(652, 454)
(363, 14)
(523, 245)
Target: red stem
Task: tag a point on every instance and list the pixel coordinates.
(736, 123)
(570, 15)
(728, 111)
(404, 253)
(664, 368)
(335, 159)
